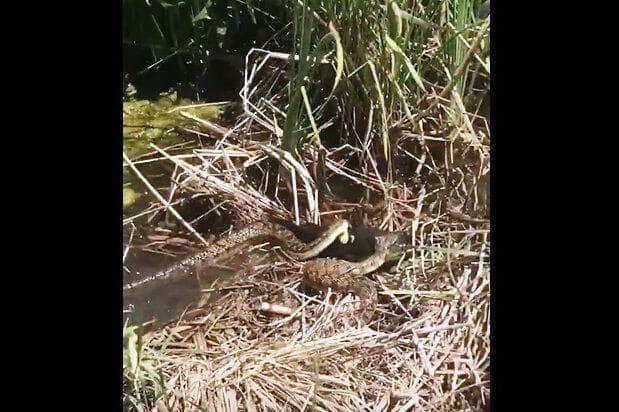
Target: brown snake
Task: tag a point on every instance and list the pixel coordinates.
(344, 276)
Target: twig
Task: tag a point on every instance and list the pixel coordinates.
(162, 200)
(220, 130)
(129, 243)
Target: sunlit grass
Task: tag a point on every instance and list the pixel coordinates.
(403, 86)
(394, 58)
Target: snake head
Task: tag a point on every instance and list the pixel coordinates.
(386, 240)
(394, 243)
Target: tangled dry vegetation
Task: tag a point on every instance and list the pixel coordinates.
(266, 345)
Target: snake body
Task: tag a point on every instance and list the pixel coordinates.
(164, 294)
(230, 243)
(344, 276)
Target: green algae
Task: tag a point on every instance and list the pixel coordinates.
(130, 196)
(160, 122)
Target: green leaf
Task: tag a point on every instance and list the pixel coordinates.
(203, 15)
(169, 5)
(395, 20)
(339, 54)
(131, 349)
(394, 46)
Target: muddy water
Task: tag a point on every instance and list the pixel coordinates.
(162, 302)
(165, 301)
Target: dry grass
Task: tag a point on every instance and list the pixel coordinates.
(427, 347)
(423, 351)
(266, 345)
